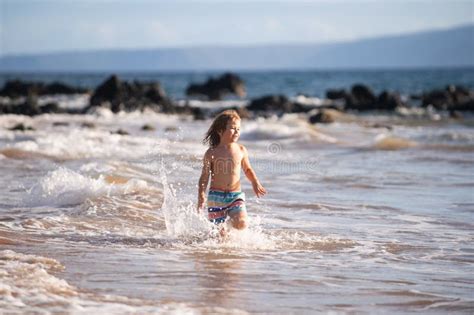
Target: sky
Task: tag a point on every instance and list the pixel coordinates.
(41, 26)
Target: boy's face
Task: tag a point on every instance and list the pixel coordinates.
(232, 132)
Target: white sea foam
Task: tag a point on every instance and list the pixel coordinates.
(452, 136)
(289, 127)
(190, 228)
(214, 105)
(27, 285)
(66, 187)
(305, 100)
(86, 144)
(77, 101)
(378, 246)
(25, 281)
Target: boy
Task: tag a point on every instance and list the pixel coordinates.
(222, 162)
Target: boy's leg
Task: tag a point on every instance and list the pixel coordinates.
(223, 232)
(238, 219)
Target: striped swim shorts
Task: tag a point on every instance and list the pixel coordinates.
(221, 203)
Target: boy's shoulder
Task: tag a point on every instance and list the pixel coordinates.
(242, 148)
(209, 152)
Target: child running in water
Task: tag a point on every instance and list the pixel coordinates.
(223, 162)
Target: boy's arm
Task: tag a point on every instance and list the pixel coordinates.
(250, 174)
(204, 180)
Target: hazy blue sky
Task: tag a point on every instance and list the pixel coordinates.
(30, 26)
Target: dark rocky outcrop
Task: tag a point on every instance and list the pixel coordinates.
(171, 129)
(110, 90)
(216, 89)
(378, 126)
(121, 132)
(337, 94)
(452, 98)
(20, 127)
(271, 103)
(60, 124)
(388, 101)
(123, 96)
(17, 88)
(326, 116)
(148, 127)
(198, 113)
(50, 108)
(361, 98)
(5, 109)
(30, 107)
(302, 108)
(88, 125)
(276, 104)
(61, 88)
(242, 111)
(321, 117)
(455, 115)
(439, 99)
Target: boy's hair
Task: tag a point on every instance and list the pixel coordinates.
(219, 124)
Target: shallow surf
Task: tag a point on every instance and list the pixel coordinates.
(358, 218)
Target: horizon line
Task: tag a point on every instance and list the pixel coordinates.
(245, 70)
(220, 46)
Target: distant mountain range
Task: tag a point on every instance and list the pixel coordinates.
(439, 48)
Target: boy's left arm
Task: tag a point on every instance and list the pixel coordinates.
(250, 174)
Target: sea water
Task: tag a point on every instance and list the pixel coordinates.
(314, 83)
(373, 214)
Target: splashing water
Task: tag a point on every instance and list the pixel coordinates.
(181, 219)
(191, 229)
(184, 223)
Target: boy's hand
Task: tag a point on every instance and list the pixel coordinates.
(201, 203)
(258, 189)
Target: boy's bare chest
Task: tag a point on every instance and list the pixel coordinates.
(232, 157)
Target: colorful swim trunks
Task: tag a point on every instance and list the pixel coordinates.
(221, 203)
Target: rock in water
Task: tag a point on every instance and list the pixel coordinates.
(325, 116)
(216, 89)
(271, 103)
(124, 96)
(361, 98)
(17, 88)
(453, 98)
(148, 127)
(20, 127)
(388, 101)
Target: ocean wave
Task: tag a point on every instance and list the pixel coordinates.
(26, 282)
(76, 101)
(386, 142)
(21, 154)
(455, 137)
(214, 105)
(64, 187)
(80, 144)
(28, 286)
(289, 127)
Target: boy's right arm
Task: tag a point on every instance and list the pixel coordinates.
(204, 180)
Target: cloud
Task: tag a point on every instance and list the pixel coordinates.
(142, 33)
(159, 31)
(318, 30)
(107, 33)
(271, 24)
(98, 32)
